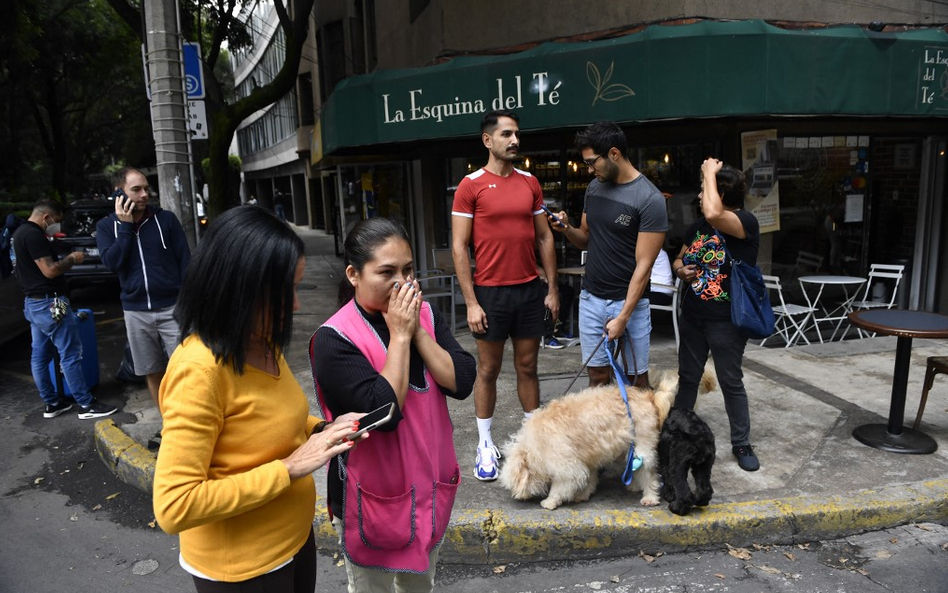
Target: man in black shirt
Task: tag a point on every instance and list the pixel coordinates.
(47, 309)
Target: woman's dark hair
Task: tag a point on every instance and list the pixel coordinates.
(732, 186)
(241, 273)
(362, 242)
(601, 137)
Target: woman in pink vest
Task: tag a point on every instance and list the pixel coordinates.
(391, 497)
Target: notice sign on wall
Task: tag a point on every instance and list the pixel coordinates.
(197, 120)
(759, 163)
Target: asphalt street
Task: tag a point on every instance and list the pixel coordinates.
(72, 525)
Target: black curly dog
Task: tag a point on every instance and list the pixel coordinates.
(686, 443)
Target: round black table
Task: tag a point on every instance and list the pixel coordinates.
(905, 325)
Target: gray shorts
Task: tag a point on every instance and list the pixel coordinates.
(152, 337)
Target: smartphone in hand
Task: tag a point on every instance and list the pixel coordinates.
(121, 200)
(373, 420)
(549, 212)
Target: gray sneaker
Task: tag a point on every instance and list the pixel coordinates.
(96, 410)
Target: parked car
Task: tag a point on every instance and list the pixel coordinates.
(12, 322)
(78, 234)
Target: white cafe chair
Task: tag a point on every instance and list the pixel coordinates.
(673, 307)
(786, 326)
(807, 263)
(876, 271)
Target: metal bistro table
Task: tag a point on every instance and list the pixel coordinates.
(837, 314)
(906, 325)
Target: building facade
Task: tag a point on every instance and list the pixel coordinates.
(275, 143)
(839, 126)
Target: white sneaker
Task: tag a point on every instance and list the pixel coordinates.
(485, 465)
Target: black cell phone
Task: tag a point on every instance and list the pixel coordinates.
(373, 420)
(121, 198)
(550, 213)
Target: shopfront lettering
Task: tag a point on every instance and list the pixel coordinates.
(419, 111)
(440, 111)
(509, 95)
(390, 117)
(936, 57)
(502, 101)
(541, 83)
(933, 79)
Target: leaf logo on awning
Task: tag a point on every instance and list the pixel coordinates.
(604, 90)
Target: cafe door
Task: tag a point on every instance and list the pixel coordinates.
(367, 191)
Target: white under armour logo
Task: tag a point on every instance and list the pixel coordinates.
(494, 185)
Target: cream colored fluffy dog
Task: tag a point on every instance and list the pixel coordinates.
(559, 451)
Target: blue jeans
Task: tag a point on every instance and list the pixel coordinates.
(64, 336)
(594, 312)
(725, 342)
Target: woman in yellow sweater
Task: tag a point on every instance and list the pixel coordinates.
(234, 473)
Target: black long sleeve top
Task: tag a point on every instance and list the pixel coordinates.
(350, 384)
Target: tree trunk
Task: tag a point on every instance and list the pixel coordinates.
(225, 122)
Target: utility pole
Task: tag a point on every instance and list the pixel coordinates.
(169, 117)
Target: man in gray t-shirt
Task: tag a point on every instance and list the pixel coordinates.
(623, 228)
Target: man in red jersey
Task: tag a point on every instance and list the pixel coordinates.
(498, 209)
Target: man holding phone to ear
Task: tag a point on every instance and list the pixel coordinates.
(499, 209)
(147, 248)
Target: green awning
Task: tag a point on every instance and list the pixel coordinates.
(706, 69)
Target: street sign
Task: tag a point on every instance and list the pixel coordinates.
(197, 120)
(193, 70)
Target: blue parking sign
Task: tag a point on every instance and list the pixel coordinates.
(193, 70)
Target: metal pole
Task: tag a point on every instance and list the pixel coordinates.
(169, 111)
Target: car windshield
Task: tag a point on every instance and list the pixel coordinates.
(80, 221)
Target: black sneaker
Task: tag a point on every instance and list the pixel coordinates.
(53, 410)
(746, 458)
(96, 410)
(154, 443)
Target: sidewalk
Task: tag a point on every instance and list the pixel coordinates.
(816, 481)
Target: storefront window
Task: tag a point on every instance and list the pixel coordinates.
(370, 191)
(823, 184)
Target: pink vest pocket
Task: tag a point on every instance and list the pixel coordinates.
(386, 522)
(444, 494)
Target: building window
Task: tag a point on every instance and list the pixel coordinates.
(304, 86)
(332, 56)
(372, 56)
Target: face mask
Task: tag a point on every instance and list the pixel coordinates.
(53, 229)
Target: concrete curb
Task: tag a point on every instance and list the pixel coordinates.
(131, 462)
(493, 536)
(498, 537)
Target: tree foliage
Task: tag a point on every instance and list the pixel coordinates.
(217, 23)
(71, 97)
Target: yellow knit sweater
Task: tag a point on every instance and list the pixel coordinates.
(219, 481)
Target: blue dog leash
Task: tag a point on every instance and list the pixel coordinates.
(633, 461)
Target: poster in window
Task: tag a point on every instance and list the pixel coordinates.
(759, 162)
(853, 208)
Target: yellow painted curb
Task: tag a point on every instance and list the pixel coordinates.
(497, 536)
(131, 462)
